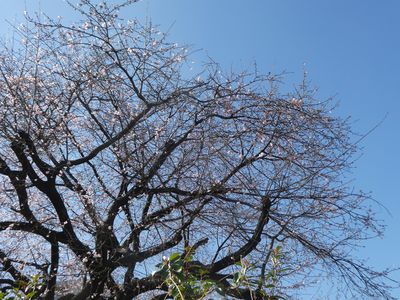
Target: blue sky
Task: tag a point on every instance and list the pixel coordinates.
(350, 49)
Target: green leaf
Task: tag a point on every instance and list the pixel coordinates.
(31, 295)
(174, 257)
(236, 277)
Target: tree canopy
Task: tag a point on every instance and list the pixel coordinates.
(115, 153)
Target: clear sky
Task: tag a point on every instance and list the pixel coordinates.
(351, 50)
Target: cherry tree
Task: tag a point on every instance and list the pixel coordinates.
(115, 153)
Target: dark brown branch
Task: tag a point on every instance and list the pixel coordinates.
(107, 144)
(47, 234)
(49, 189)
(175, 240)
(9, 268)
(52, 280)
(251, 243)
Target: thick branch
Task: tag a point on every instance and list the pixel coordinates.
(251, 243)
